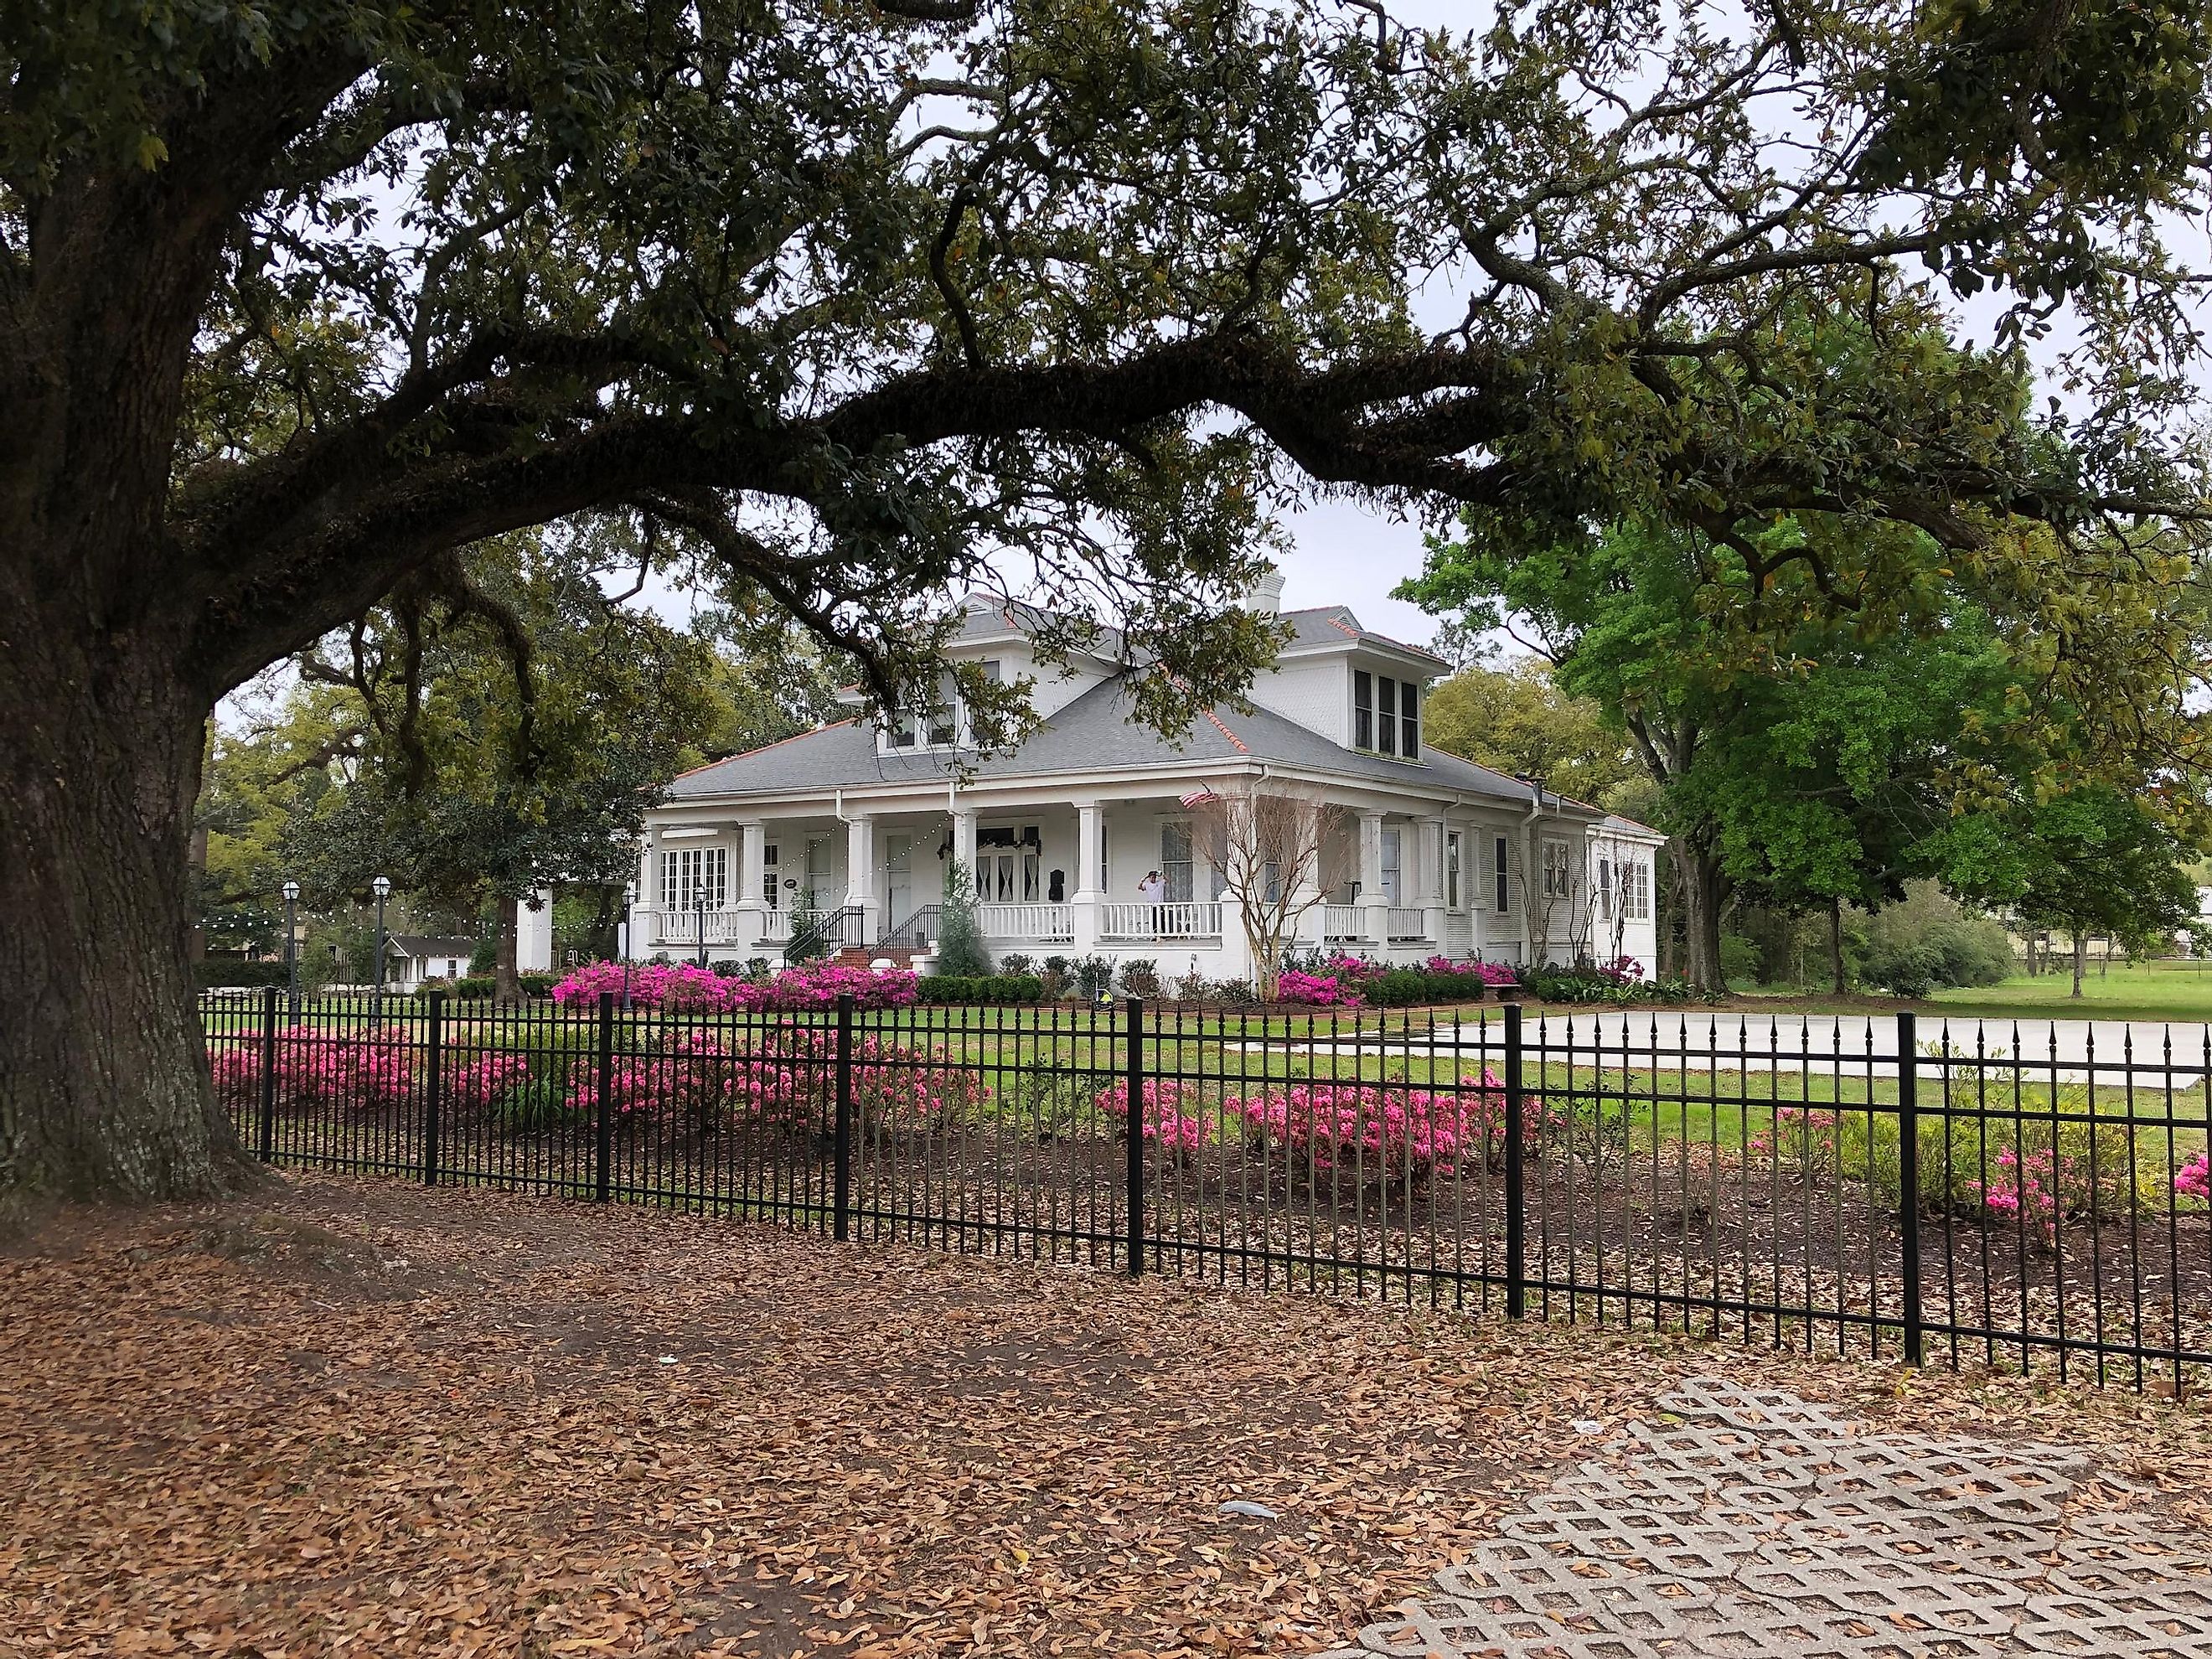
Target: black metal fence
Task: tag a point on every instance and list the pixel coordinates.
(1862, 1187)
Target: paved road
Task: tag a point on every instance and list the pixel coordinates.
(1756, 1524)
(1699, 1040)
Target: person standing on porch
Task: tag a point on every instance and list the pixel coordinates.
(1152, 891)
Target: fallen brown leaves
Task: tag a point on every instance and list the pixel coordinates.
(367, 1418)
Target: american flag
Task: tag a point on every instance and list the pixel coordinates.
(1199, 796)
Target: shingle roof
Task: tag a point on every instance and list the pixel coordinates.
(426, 944)
(1097, 731)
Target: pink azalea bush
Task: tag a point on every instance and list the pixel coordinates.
(686, 987)
(367, 1070)
(1803, 1138)
(1164, 1113)
(1388, 1132)
(1314, 990)
(2194, 1179)
(474, 1082)
(781, 1077)
(1488, 973)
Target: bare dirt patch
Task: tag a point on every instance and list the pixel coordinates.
(359, 1417)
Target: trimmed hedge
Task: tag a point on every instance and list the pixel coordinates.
(222, 973)
(963, 990)
(1411, 987)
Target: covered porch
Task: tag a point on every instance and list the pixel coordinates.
(1051, 877)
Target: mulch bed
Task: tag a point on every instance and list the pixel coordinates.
(358, 1417)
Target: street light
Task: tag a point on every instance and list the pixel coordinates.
(382, 888)
(621, 939)
(699, 915)
(292, 952)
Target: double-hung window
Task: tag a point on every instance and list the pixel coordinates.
(1502, 873)
(1386, 715)
(691, 876)
(1451, 869)
(1559, 870)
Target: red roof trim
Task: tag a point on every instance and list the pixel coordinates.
(1222, 727)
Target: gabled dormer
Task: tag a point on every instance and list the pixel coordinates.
(1356, 688)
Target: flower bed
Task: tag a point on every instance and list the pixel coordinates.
(1341, 980)
(686, 987)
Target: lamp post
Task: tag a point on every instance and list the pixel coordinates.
(621, 939)
(699, 917)
(291, 952)
(382, 888)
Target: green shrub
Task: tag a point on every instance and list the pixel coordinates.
(475, 985)
(973, 990)
(1928, 942)
(220, 973)
(536, 985)
(528, 1107)
(960, 952)
(1399, 988)
(1141, 978)
(1740, 958)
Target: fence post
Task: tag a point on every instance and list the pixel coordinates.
(1908, 1178)
(266, 1138)
(1517, 1289)
(840, 1203)
(604, 1152)
(434, 1092)
(1134, 1199)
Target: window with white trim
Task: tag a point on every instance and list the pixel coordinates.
(1501, 874)
(1636, 891)
(693, 876)
(1605, 888)
(1559, 870)
(1451, 869)
(1386, 715)
(771, 894)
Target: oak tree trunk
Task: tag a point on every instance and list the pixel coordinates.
(2080, 958)
(1705, 892)
(1836, 943)
(507, 980)
(104, 1085)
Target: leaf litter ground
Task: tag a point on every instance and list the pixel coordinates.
(361, 1418)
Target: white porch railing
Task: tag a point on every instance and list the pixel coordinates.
(682, 926)
(1344, 922)
(1408, 921)
(1046, 924)
(1188, 920)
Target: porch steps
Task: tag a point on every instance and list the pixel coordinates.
(860, 955)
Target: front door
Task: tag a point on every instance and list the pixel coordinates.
(898, 878)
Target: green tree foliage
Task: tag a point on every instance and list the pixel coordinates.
(852, 304)
(1813, 742)
(512, 734)
(2096, 860)
(1517, 719)
(960, 952)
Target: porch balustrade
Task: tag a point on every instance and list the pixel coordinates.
(1344, 922)
(1043, 924)
(1407, 922)
(1187, 920)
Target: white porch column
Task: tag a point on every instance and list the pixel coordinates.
(1083, 902)
(963, 839)
(533, 933)
(751, 837)
(1431, 890)
(644, 914)
(860, 872)
(1374, 902)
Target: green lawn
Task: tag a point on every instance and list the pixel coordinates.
(2175, 991)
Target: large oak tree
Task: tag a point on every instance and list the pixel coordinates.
(863, 300)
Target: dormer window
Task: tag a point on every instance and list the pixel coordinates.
(943, 727)
(1386, 715)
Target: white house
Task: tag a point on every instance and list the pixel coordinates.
(412, 958)
(860, 820)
